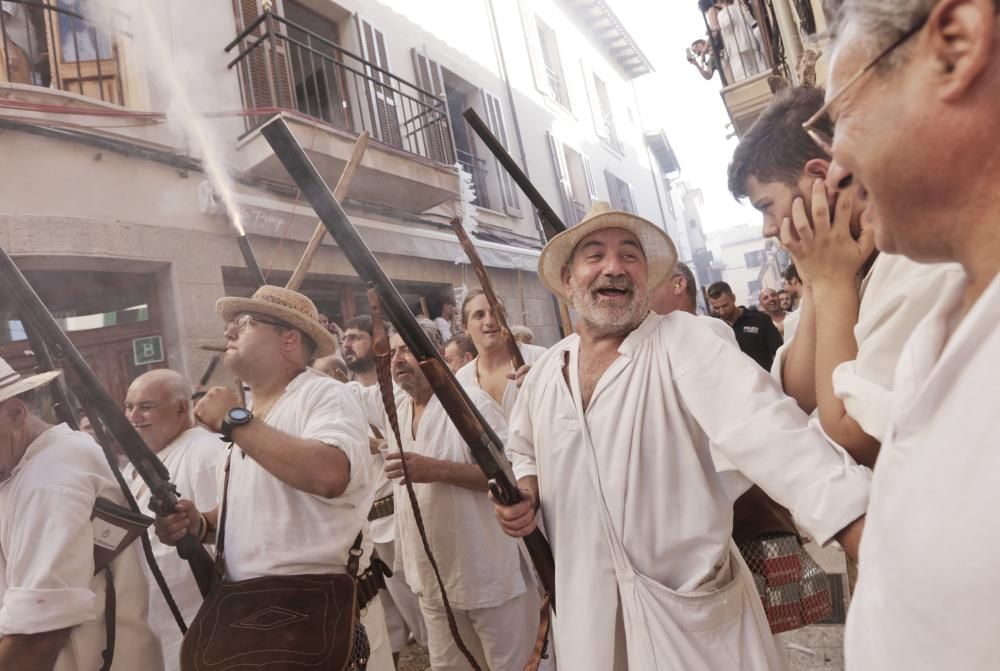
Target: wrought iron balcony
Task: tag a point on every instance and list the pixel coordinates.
(286, 67)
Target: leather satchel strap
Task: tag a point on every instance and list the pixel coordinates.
(110, 615)
(220, 541)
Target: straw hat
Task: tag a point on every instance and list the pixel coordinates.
(661, 255)
(12, 383)
(286, 306)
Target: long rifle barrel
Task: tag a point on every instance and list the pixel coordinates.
(550, 220)
(93, 396)
(483, 442)
(251, 259)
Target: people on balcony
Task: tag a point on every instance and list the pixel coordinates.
(19, 48)
(734, 36)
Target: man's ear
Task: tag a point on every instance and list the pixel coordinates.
(960, 38)
(564, 275)
(14, 409)
(816, 168)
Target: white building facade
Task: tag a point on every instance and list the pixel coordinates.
(107, 208)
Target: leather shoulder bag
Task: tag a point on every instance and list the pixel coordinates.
(277, 623)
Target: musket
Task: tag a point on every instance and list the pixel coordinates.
(250, 259)
(103, 408)
(484, 281)
(551, 222)
(552, 225)
(485, 446)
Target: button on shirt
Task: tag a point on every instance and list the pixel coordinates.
(273, 528)
(757, 336)
(47, 579)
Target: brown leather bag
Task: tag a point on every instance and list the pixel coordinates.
(277, 623)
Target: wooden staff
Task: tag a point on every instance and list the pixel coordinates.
(484, 281)
(340, 192)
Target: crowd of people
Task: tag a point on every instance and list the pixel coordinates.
(675, 462)
(732, 45)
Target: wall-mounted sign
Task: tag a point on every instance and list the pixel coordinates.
(147, 350)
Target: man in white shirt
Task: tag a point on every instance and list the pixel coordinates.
(611, 440)
(491, 370)
(858, 307)
(300, 485)
(496, 612)
(158, 404)
(918, 136)
(52, 600)
(402, 610)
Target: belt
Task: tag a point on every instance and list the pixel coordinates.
(381, 508)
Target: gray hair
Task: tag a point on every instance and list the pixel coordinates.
(880, 21)
(429, 328)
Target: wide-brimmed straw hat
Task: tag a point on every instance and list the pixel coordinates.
(661, 255)
(13, 383)
(286, 306)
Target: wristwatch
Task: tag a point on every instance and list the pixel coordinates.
(234, 418)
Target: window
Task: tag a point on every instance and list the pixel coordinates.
(754, 287)
(494, 117)
(755, 259)
(575, 179)
(605, 119)
(622, 195)
(553, 64)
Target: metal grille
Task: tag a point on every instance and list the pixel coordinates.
(794, 589)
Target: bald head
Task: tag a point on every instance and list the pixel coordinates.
(158, 404)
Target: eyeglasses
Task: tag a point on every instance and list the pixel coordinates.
(821, 137)
(141, 407)
(245, 320)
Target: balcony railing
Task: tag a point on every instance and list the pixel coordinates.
(285, 66)
(46, 43)
(750, 42)
(477, 168)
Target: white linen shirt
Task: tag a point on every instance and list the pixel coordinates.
(468, 376)
(47, 579)
(896, 295)
(479, 564)
(273, 528)
(926, 596)
(191, 459)
(675, 388)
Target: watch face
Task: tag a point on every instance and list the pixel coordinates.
(239, 415)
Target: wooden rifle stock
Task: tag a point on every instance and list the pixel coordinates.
(483, 442)
(101, 406)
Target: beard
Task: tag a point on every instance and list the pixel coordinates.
(604, 318)
(359, 364)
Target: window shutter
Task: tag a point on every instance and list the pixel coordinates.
(591, 186)
(534, 46)
(562, 177)
(386, 121)
(433, 126)
(613, 191)
(594, 102)
(266, 71)
(633, 206)
(494, 119)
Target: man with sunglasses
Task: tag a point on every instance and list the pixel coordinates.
(913, 89)
(299, 471)
(858, 307)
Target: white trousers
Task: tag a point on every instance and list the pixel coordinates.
(373, 618)
(500, 638)
(402, 608)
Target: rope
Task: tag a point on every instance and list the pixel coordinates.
(380, 346)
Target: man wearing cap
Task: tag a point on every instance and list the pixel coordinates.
(299, 476)
(610, 440)
(52, 600)
(158, 404)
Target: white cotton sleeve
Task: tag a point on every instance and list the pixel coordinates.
(50, 562)
(334, 416)
(769, 439)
